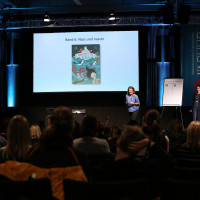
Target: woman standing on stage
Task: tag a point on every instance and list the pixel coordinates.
(196, 105)
(133, 103)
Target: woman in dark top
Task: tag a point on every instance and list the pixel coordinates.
(196, 105)
(176, 135)
(152, 127)
(55, 146)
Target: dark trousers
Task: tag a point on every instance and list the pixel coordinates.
(133, 115)
(195, 114)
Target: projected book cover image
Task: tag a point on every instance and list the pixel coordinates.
(86, 64)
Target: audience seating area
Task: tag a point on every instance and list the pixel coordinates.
(137, 189)
(33, 189)
(175, 188)
(181, 180)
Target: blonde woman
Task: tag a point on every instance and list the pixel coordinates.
(193, 138)
(18, 140)
(35, 133)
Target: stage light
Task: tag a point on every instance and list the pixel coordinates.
(112, 16)
(46, 18)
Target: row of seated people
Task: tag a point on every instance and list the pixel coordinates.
(140, 151)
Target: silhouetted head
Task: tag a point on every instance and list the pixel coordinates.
(59, 131)
(89, 126)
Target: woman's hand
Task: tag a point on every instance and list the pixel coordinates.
(138, 145)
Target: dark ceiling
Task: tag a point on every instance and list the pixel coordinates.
(13, 10)
(89, 6)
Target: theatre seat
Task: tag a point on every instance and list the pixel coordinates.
(174, 189)
(34, 189)
(137, 189)
(188, 162)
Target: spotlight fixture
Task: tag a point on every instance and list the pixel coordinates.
(112, 16)
(46, 18)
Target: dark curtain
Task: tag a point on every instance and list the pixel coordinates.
(152, 87)
(153, 56)
(3, 75)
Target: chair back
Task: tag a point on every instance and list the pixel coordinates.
(137, 189)
(34, 189)
(174, 188)
(187, 162)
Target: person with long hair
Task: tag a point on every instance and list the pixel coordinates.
(133, 103)
(193, 138)
(18, 140)
(152, 127)
(54, 149)
(176, 134)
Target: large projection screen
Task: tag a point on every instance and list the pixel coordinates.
(85, 61)
(173, 92)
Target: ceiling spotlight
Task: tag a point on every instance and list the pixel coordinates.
(46, 18)
(112, 16)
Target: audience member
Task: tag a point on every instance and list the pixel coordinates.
(4, 126)
(112, 140)
(3, 141)
(192, 145)
(35, 134)
(76, 131)
(136, 153)
(132, 122)
(136, 150)
(176, 135)
(103, 129)
(18, 140)
(42, 125)
(55, 146)
(89, 142)
(152, 127)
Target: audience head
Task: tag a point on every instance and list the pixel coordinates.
(175, 126)
(89, 126)
(132, 123)
(193, 136)
(129, 135)
(116, 132)
(18, 135)
(42, 125)
(59, 131)
(151, 125)
(4, 126)
(76, 131)
(151, 116)
(35, 131)
(100, 127)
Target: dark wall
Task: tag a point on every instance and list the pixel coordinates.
(118, 114)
